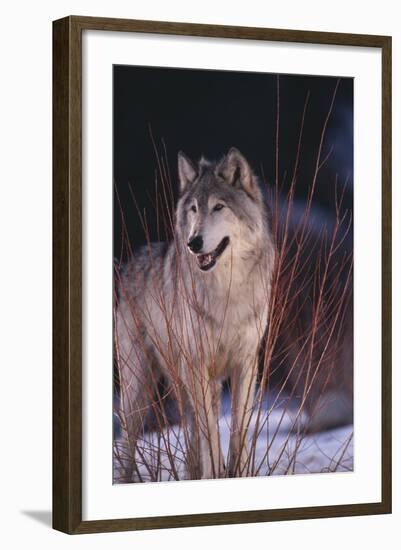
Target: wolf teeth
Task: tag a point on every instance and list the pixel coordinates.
(204, 259)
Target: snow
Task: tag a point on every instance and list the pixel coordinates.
(281, 448)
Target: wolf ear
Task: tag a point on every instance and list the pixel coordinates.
(235, 170)
(186, 172)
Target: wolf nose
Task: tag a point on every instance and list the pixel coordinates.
(195, 244)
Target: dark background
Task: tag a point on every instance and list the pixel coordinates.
(203, 112)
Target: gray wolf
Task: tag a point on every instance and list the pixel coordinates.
(195, 312)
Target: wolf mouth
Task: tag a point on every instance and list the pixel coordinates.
(207, 261)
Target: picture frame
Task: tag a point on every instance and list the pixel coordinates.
(68, 296)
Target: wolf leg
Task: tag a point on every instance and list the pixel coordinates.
(206, 440)
(216, 404)
(243, 382)
(190, 433)
(216, 386)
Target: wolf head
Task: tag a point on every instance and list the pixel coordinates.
(220, 213)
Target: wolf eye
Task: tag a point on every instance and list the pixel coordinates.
(193, 208)
(218, 207)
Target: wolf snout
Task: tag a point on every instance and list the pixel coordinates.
(195, 244)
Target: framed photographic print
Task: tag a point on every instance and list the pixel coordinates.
(222, 273)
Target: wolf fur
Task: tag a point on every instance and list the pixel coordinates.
(195, 311)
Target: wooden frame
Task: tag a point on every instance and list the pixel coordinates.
(67, 295)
